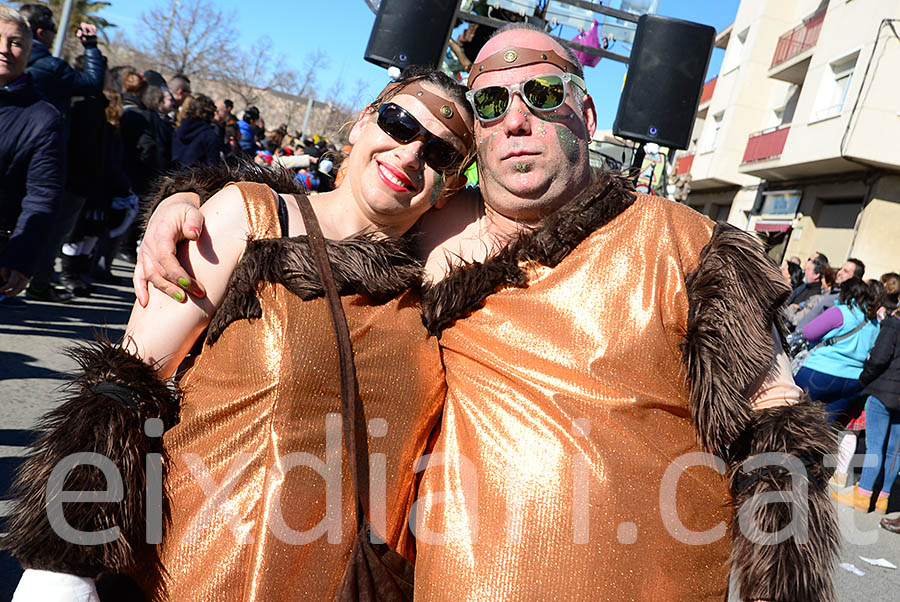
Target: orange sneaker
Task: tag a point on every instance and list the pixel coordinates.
(854, 499)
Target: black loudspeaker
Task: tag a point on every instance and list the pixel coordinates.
(665, 78)
(410, 32)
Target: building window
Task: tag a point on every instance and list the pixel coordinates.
(735, 52)
(782, 204)
(834, 88)
(710, 133)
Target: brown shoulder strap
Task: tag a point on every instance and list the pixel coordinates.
(352, 414)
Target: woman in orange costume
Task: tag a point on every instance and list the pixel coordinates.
(261, 506)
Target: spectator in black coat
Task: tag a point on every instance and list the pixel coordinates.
(56, 80)
(881, 381)
(160, 104)
(31, 145)
(139, 142)
(196, 139)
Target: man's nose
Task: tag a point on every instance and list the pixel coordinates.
(518, 116)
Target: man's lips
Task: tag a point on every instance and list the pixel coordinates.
(518, 154)
(394, 178)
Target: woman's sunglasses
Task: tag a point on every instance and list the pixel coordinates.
(399, 124)
(540, 93)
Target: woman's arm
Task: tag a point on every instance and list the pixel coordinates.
(164, 330)
(829, 320)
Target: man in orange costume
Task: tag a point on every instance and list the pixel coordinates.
(621, 423)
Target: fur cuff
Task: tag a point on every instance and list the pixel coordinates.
(799, 568)
(100, 417)
(735, 296)
(207, 179)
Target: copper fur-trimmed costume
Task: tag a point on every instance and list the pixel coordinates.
(254, 415)
(582, 362)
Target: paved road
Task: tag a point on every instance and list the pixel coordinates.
(32, 368)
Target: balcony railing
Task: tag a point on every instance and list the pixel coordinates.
(801, 38)
(708, 90)
(767, 144)
(683, 164)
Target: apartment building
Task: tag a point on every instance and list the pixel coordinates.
(799, 134)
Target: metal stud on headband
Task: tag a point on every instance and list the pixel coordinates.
(445, 110)
(516, 56)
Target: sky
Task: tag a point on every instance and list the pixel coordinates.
(342, 28)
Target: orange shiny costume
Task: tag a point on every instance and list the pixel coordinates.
(254, 418)
(567, 403)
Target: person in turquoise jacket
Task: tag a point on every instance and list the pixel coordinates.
(831, 371)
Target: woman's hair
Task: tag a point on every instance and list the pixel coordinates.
(113, 107)
(828, 275)
(453, 90)
(796, 274)
(891, 282)
(856, 293)
(133, 83)
(201, 107)
(11, 15)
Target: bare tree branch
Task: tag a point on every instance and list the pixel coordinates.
(189, 36)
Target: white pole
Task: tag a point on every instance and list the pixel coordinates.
(62, 28)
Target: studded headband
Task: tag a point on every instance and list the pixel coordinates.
(515, 56)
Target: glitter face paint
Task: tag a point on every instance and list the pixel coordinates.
(568, 142)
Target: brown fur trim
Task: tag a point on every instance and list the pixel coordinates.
(380, 268)
(207, 179)
(788, 571)
(92, 422)
(735, 296)
(466, 287)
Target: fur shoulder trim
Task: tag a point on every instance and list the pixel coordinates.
(379, 268)
(466, 286)
(207, 179)
(734, 296)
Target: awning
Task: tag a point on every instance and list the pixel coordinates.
(772, 226)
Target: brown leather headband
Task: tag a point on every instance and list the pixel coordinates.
(515, 56)
(446, 111)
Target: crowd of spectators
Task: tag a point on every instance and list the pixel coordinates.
(846, 343)
(81, 145)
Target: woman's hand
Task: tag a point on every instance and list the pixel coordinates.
(176, 218)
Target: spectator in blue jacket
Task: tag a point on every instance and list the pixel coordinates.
(196, 140)
(31, 143)
(54, 77)
(246, 126)
(59, 82)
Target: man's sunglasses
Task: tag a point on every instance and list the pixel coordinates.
(540, 93)
(399, 124)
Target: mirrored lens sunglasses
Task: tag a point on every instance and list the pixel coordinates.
(540, 93)
(399, 124)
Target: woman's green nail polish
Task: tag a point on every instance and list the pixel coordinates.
(184, 282)
(178, 295)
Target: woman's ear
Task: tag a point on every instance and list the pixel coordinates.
(364, 117)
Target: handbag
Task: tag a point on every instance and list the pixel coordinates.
(374, 572)
(800, 352)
